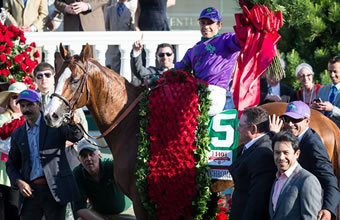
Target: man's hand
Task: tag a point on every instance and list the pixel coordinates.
(273, 98)
(50, 24)
(26, 29)
(275, 123)
(323, 106)
(79, 7)
(69, 10)
(324, 214)
(24, 188)
(138, 46)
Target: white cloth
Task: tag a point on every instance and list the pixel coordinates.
(218, 99)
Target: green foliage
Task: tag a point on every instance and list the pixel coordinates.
(310, 34)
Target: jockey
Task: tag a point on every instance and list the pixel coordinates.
(213, 58)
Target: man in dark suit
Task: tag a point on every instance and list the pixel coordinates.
(254, 170)
(313, 156)
(37, 163)
(272, 90)
(330, 100)
(296, 193)
(165, 58)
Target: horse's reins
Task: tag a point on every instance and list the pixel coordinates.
(71, 105)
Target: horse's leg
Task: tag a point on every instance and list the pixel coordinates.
(140, 212)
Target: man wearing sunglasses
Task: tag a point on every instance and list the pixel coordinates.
(165, 58)
(313, 156)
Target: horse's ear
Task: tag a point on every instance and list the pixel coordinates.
(63, 52)
(85, 53)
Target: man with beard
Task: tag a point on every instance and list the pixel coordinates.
(37, 164)
(313, 157)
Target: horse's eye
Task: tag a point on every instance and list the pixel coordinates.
(74, 80)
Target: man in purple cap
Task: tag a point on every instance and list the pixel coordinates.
(37, 163)
(213, 58)
(313, 156)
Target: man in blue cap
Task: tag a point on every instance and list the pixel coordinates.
(37, 163)
(213, 58)
(313, 156)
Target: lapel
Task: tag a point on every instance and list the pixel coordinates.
(23, 140)
(21, 3)
(287, 186)
(305, 138)
(245, 154)
(42, 133)
(324, 95)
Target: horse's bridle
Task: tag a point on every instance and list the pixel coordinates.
(73, 102)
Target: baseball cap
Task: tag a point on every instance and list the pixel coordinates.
(84, 145)
(29, 95)
(212, 14)
(297, 110)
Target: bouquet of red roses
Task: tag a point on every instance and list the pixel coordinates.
(17, 59)
(7, 129)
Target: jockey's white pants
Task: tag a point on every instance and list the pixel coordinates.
(218, 99)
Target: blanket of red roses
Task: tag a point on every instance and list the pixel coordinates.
(172, 171)
(7, 129)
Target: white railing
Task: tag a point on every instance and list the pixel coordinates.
(50, 41)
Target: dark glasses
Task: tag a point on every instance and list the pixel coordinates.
(40, 75)
(163, 54)
(293, 120)
(14, 96)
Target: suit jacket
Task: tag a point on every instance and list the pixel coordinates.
(287, 93)
(52, 156)
(314, 158)
(140, 71)
(89, 21)
(113, 22)
(300, 197)
(335, 113)
(253, 173)
(35, 12)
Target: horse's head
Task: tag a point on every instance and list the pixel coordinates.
(72, 89)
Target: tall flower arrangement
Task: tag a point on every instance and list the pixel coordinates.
(172, 171)
(17, 59)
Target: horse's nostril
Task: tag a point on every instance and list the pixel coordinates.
(55, 116)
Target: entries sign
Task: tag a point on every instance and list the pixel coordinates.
(223, 143)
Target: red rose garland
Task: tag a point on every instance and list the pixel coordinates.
(7, 129)
(172, 183)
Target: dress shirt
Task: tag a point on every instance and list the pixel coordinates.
(301, 135)
(250, 143)
(281, 179)
(120, 9)
(33, 144)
